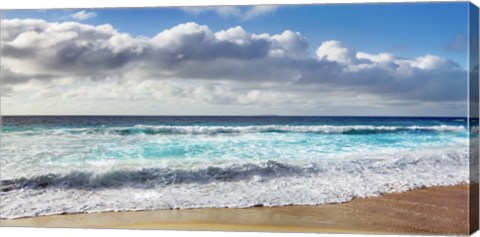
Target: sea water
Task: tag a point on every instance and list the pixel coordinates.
(70, 164)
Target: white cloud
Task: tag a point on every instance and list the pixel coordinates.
(377, 58)
(83, 15)
(242, 13)
(334, 51)
(290, 44)
(257, 11)
(235, 35)
(191, 63)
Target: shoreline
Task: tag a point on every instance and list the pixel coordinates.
(433, 210)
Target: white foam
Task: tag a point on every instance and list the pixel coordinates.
(326, 129)
(294, 128)
(238, 185)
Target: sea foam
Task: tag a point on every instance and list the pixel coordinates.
(235, 184)
(273, 128)
(70, 165)
(326, 129)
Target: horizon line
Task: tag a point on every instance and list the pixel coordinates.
(266, 115)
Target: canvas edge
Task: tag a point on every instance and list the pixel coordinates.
(473, 116)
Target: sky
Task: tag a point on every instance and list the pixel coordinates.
(337, 59)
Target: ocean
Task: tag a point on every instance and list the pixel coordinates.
(76, 164)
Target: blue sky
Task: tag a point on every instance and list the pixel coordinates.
(338, 59)
(407, 30)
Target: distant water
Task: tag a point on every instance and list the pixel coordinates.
(63, 164)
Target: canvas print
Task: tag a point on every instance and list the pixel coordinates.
(331, 118)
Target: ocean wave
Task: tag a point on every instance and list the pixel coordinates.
(157, 176)
(267, 183)
(212, 130)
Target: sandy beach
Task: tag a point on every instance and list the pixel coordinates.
(437, 210)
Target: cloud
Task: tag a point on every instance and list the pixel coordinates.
(73, 48)
(242, 13)
(257, 11)
(11, 77)
(190, 62)
(334, 51)
(83, 15)
(458, 44)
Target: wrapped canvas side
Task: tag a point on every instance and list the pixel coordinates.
(473, 115)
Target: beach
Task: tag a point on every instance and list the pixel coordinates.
(435, 210)
(287, 174)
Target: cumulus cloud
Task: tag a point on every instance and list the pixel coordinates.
(70, 48)
(242, 13)
(231, 66)
(83, 15)
(334, 51)
(424, 78)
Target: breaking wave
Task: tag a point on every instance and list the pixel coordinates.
(251, 183)
(322, 129)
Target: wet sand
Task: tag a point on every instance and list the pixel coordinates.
(437, 210)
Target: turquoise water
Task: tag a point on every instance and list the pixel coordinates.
(194, 162)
